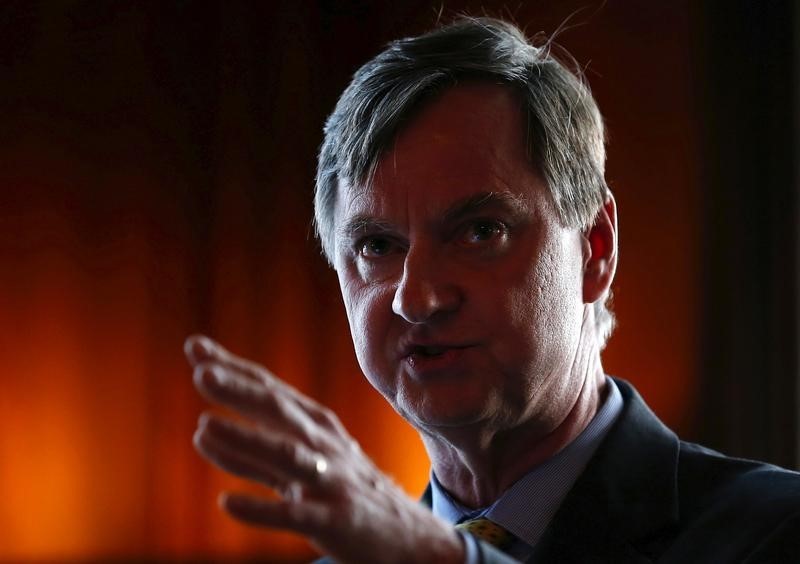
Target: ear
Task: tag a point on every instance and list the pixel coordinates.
(600, 252)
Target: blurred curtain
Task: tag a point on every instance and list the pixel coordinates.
(156, 173)
(157, 166)
(750, 109)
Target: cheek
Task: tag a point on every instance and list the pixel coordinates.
(368, 314)
(546, 309)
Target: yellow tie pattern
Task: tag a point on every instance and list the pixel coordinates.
(488, 531)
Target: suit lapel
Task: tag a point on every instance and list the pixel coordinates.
(625, 503)
(624, 506)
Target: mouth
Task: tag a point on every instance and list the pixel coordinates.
(423, 356)
(428, 351)
(429, 359)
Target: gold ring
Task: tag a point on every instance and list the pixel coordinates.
(320, 464)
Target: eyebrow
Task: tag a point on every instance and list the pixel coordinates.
(484, 200)
(363, 224)
(462, 208)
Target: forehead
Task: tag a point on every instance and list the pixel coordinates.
(469, 140)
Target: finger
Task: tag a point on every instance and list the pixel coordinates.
(239, 449)
(197, 348)
(200, 348)
(203, 350)
(305, 517)
(265, 404)
(236, 463)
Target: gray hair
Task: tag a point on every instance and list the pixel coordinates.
(565, 135)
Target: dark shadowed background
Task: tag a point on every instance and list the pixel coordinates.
(156, 174)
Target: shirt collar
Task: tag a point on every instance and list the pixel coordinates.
(526, 508)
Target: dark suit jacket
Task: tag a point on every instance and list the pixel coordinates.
(646, 496)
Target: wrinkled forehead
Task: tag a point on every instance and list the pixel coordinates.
(352, 199)
(470, 137)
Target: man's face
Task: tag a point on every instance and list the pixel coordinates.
(462, 288)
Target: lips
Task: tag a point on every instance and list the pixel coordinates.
(427, 350)
(426, 359)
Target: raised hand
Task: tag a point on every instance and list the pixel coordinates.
(330, 491)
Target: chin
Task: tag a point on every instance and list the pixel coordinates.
(446, 411)
(433, 421)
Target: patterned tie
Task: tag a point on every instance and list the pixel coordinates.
(488, 531)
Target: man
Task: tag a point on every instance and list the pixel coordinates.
(461, 200)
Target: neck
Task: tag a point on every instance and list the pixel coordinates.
(477, 465)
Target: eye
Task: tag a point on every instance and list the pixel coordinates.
(375, 247)
(482, 231)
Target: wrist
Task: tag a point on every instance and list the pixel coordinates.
(453, 550)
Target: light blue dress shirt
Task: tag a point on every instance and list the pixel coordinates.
(527, 507)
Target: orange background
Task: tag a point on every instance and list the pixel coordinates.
(157, 166)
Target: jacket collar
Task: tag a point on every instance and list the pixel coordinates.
(626, 501)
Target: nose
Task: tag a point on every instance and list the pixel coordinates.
(426, 291)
